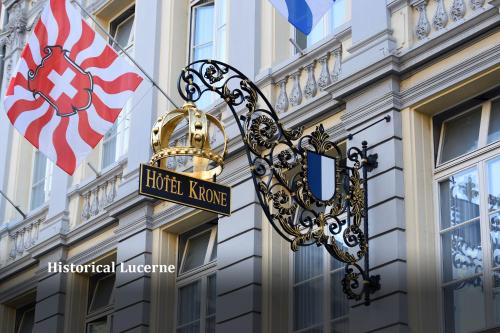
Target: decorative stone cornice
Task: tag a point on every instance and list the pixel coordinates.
(13, 34)
(440, 81)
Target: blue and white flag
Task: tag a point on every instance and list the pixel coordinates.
(321, 175)
(303, 14)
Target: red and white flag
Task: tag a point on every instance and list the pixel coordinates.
(69, 87)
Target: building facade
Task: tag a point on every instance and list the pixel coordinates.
(434, 199)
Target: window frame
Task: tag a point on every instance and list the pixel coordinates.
(115, 133)
(328, 27)
(478, 159)
(23, 311)
(482, 139)
(192, 21)
(104, 312)
(45, 182)
(326, 276)
(201, 274)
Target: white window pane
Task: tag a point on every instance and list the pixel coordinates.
(37, 196)
(462, 254)
(459, 198)
(42, 180)
(116, 140)
(196, 251)
(307, 304)
(204, 24)
(99, 326)
(464, 307)
(108, 152)
(460, 135)
(40, 166)
(203, 52)
(189, 307)
(494, 127)
(308, 262)
(124, 31)
(317, 33)
(338, 14)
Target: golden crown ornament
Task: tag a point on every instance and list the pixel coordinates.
(206, 163)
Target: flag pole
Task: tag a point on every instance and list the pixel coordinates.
(125, 53)
(13, 204)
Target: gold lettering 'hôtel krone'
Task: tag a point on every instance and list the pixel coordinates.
(191, 188)
(161, 182)
(172, 184)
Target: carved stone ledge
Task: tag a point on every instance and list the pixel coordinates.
(13, 35)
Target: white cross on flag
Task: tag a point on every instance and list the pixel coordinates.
(69, 87)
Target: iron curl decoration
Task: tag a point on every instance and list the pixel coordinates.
(278, 161)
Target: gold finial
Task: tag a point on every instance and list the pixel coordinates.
(197, 143)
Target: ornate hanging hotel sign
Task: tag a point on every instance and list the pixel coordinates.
(185, 190)
(182, 135)
(312, 192)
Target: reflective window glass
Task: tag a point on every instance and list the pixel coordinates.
(459, 198)
(188, 314)
(196, 250)
(464, 306)
(460, 135)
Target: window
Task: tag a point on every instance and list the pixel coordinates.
(314, 310)
(115, 143)
(196, 290)
(25, 319)
(208, 34)
(335, 17)
(469, 218)
(100, 304)
(468, 131)
(41, 180)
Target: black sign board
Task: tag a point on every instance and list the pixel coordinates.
(182, 189)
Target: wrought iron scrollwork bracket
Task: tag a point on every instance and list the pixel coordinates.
(278, 158)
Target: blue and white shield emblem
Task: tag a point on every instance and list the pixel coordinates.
(321, 175)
